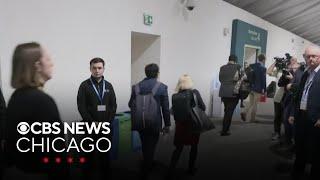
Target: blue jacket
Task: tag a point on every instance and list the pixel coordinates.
(259, 84)
(161, 97)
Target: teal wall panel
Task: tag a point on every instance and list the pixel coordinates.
(247, 34)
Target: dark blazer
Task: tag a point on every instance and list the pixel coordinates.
(161, 97)
(226, 78)
(289, 95)
(259, 84)
(30, 105)
(88, 101)
(313, 102)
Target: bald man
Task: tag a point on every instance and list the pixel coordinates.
(306, 117)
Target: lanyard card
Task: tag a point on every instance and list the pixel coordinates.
(303, 105)
(101, 108)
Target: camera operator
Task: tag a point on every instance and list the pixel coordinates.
(289, 82)
(275, 70)
(284, 70)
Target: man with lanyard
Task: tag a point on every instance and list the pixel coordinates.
(306, 117)
(97, 103)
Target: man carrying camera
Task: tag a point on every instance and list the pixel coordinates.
(291, 78)
(283, 69)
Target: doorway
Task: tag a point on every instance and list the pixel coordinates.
(250, 54)
(145, 49)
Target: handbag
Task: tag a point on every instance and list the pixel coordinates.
(263, 98)
(271, 89)
(200, 121)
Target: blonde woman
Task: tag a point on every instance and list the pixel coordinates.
(182, 102)
(31, 68)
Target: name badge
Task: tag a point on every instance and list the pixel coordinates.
(303, 105)
(101, 107)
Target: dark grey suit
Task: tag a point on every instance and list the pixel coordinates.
(230, 100)
(226, 78)
(307, 136)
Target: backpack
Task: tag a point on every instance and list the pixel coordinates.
(244, 89)
(145, 112)
(250, 74)
(181, 105)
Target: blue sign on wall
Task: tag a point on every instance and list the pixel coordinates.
(247, 35)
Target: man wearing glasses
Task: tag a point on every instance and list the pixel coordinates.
(306, 117)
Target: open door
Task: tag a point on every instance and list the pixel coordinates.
(145, 49)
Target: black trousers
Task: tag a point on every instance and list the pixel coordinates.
(278, 117)
(230, 104)
(149, 141)
(307, 139)
(288, 128)
(97, 163)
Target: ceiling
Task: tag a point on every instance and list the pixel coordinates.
(301, 17)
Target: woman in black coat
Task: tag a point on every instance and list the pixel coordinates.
(184, 133)
(31, 69)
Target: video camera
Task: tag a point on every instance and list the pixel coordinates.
(282, 63)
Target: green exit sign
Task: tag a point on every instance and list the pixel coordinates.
(147, 19)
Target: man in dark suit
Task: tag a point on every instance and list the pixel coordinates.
(306, 117)
(258, 88)
(229, 75)
(97, 103)
(150, 135)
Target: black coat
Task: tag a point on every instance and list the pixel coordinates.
(88, 101)
(183, 133)
(32, 105)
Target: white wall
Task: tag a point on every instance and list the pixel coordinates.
(145, 49)
(74, 31)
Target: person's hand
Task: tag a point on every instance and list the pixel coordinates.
(317, 124)
(289, 76)
(288, 87)
(291, 120)
(166, 129)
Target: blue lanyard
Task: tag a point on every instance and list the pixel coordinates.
(95, 89)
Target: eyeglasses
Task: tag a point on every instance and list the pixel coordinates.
(310, 56)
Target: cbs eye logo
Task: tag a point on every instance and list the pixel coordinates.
(23, 128)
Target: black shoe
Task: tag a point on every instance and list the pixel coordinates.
(225, 133)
